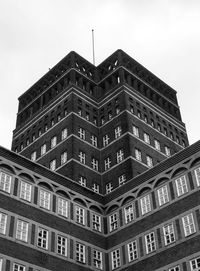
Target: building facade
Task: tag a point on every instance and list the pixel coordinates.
(101, 175)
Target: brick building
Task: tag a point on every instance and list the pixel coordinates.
(101, 175)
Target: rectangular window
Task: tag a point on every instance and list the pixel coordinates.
(105, 140)
(135, 131)
(197, 175)
(42, 239)
(181, 186)
(43, 149)
(146, 138)
(22, 230)
(138, 155)
(176, 268)
(122, 179)
(63, 158)
(33, 156)
(81, 157)
(81, 133)
(45, 198)
(96, 222)
(157, 145)
(118, 132)
(5, 181)
(120, 156)
(25, 191)
(95, 188)
(53, 142)
(163, 196)
(52, 165)
(132, 251)
(97, 259)
(169, 234)
(94, 140)
(62, 245)
(188, 224)
(195, 264)
(79, 215)
(62, 207)
(64, 134)
(80, 253)
(149, 161)
(150, 242)
(82, 180)
(18, 267)
(167, 151)
(3, 222)
(113, 221)
(129, 213)
(109, 188)
(145, 204)
(95, 164)
(115, 259)
(107, 163)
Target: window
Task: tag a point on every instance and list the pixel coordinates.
(113, 220)
(107, 163)
(95, 187)
(94, 163)
(131, 108)
(195, 264)
(176, 268)
(105, 140)
(45, 199)
(52, 122)
(146, 138)
(197, 175)
(64, 134)
(87, 116)
(58, 117)
(109, 115)
(149, 161)
(159, 127)
(45, 127)
(117, 110)
(138, 155)
(115, 259)
(61, 245)
(80, 253)
(97, 259)
(96, 222)
(82, 180)
(109, 188)
(150, 242)
(120, 156)
(79, 215)
(135, 131)
(63, 158)
(145, 204)
(122, 179)
(33, 137)
(157, 144)
(94, 140)
(5, 181)
(188, 224)
(169, 235)
(27, 143)
(33, 156)
(139, 114)
(22, 230)
(52, 165)
(132, 251)
(62, 207)
(181, 186)
(53, 141)
(118, 132)
(65, 112)
(42, 239)
(163, 196)
(3, 222)
(102, 120)
(18, 267)
(25, 191)
(79, 111)
(167, 151)
(81, 133)
(43, 149)
(81, 157)
(129, 213)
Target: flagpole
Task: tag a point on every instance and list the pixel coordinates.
(93, 46)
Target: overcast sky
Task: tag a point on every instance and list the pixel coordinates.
(163, 35)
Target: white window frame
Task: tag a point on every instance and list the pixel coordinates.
(3, 223)
(169, 234)
(106, 140)
(62, 207)
(113, 222)
(135, 131)
(95, 164)
(94, 140)
(80, 252)
(81, 133)
(188, 224)
(149, 161)
(52, 165)
(44, 199)
(138, 155)
(150, 242)
(107, 163)
(122, 179)
(195, 264)
(22, 230)
(175, 268)
(53, 142)
(95, 188)
(129, 213)
(109, 188)
(33, 156)
(157, 145)
(81, 157)
(167, 151)
(43, 149)
(5, 181)
(145, 203)
(118, 132)
(96, 222)
(79, 215)
(42, 238)
(62, 245)
(120, 156)
(146, 138)
(82, 180)
(132, 249)
(63, 158)
(181, 186)
(197, 175)
(64, 134)
(163, 195)
(18, 267)
(115, 259)
(97, 259)
(25, 191)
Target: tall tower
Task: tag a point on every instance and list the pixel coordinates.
(99, 126)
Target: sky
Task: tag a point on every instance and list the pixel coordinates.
(162, 35)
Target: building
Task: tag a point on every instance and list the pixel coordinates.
(101, 175)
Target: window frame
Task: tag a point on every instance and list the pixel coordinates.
(129, 215)
(62, 210)
(44, 240)
(190, 227)
(169, 234)
(22, 228)
(5, 184)
(80, 218)
(150, 244)
(81, 257)
(163, 195)
(96, 223)
(42, 202)
(3, 223)
(60, 247)
(113, 221)
(115, 258)
(27, 193)
(132, 251)
(180, 190)
(145, 204)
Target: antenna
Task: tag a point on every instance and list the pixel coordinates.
(93, 46)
